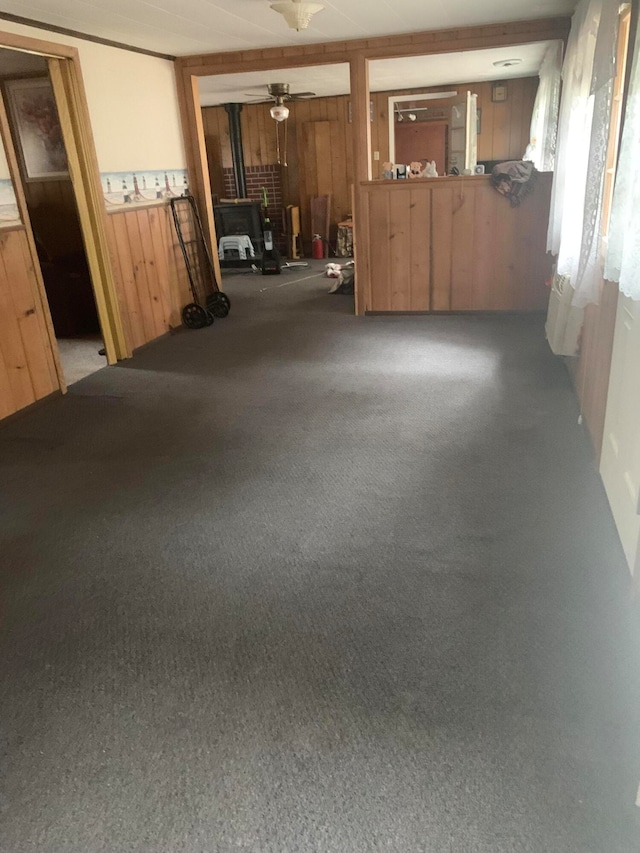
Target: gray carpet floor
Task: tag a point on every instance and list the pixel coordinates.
(308, 582)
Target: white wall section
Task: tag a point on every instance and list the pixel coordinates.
(133, 104)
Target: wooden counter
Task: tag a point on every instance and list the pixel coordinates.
(451, 244)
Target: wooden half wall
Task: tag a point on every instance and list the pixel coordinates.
(453, 244)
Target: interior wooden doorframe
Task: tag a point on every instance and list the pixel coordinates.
(66, 79)
(407, 99)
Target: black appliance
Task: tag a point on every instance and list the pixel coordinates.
(243, 217)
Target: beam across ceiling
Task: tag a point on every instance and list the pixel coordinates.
(388, 47)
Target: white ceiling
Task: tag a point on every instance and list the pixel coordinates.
(182, 27)
(385, 75)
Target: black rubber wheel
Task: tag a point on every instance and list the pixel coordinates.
(210, 317)
(218, 305)
(195, 317)
(225, 299)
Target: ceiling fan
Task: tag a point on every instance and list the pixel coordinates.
(279, 93)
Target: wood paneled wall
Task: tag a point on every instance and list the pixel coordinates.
(590, 371)
(54, 216)
(328, 167)
(151, 278)
(27, 366)
(453, 244)
(504, 126)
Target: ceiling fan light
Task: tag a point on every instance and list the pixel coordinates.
(297, 13)
(279, 112)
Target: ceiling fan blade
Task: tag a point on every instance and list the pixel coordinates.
(301, 95)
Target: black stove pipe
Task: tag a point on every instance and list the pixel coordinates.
(237, 153)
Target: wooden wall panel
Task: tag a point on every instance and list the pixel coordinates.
(420, 269)
(442, 244)
(380, 271)
(54, 216)
(504, 135)
(590, 371)
(27, 367)
(504, 126)
(150, 274)
(477, 253)
(463, 264)
(399, 248)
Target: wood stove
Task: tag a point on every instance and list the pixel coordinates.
(244, 217)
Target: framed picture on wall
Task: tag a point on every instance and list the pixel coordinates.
(37, 131)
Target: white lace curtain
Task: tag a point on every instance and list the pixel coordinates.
(541, 149)
(583, 132)
(623, 253)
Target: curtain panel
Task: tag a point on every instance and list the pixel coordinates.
(583, 131)
(623, 252)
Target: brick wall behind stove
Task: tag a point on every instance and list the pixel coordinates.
(258, 177)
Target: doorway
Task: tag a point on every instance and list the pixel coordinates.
(422, 141)
(52, 210)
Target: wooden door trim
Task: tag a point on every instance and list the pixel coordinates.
(85, 178)
(40, 292)
(68, 87)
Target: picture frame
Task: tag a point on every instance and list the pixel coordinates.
(36, 124)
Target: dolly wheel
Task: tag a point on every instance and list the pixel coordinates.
(195, 316)
(218, 305)
(224, 298)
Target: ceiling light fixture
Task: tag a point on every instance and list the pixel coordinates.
(279, 112)
(297, 13)
(507, 63)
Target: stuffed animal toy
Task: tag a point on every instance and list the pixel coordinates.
(416, 170)
(430, 170)
(387, 171)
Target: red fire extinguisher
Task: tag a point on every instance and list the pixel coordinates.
(317, 248)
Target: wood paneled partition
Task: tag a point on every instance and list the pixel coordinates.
(453, 244)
